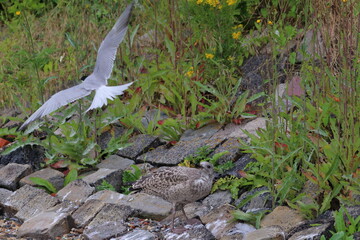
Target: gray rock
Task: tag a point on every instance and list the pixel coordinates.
(238, 230)
(107, 196)
(154, 155)
(76, 191)
(240, 164)
(153, 115)
(115, 132)
(55, 177)
(137, 234)
(183, 149)
(112, 176)
(195, 209)
(36, 205)
(313, 233)
(284, 217)
(267, 233)
(140, 144)
(236, 131)
(109, 222)
(217, 199)
(232, 146)
(259, 201)
(11, 174)
(311, 191)
(20, 198)
(201, 133)
(29, 154)
(147, 206)
(86, 212)
(197, 232)
(46, 225)
(218, 221)
(65, 207)
(4, 194)
(115, 162)
(105, 230)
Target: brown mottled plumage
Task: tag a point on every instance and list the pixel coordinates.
(178, 185)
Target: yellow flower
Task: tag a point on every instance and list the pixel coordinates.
(270, 22)
(238, 26)
(209, 55)
(258, 21)
(199, 2)
(236, 35)
(17, 13)
(190, 72)
(344, 0)
(213, 3)
(230, 2)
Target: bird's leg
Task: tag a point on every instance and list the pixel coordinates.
(183, 211)
(173, 216)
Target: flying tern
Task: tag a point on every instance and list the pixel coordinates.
(95, 81)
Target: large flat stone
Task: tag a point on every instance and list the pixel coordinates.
(218, 221)
(115, 162)
(271, 232)
(109, 222)
(20, 198)
(182, 149)
(77, 191)
(310, 233)
(154, 155)
(145, 205)
(47, 225)
(112, 176)
(84, 214)
(232, 146)
(107, 196)
(284, 217)
(237, 131)
(205, 132)
(137, 234)
(11, 174)
(140, 144)
(36, 205)
(55, 177)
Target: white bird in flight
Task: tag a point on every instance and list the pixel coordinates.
(95, 81)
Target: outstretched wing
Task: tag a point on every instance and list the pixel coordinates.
(58, 100)
(107, 51)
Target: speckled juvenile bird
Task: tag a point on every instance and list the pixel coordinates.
(178, 185)
(97, 81)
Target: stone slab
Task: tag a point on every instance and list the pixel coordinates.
(77, 191)
(84, 214)
(112, 176)
(140, 144)
(47, 225)
(137, 234)
(115, 162)
(11, 174)
(55, 177)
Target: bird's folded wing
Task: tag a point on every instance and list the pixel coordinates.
(58, 100)
(107, 50)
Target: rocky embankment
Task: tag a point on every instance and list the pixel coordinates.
(78, 211)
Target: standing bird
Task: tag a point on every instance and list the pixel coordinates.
(97, 80)
(178, 185)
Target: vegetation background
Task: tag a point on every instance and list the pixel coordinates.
(186, 58)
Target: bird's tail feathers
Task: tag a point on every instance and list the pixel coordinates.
(105, 92)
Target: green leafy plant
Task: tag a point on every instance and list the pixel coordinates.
(130, 176)
(203, 154)
(43, 183)
(105, 186)
(345, 225)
